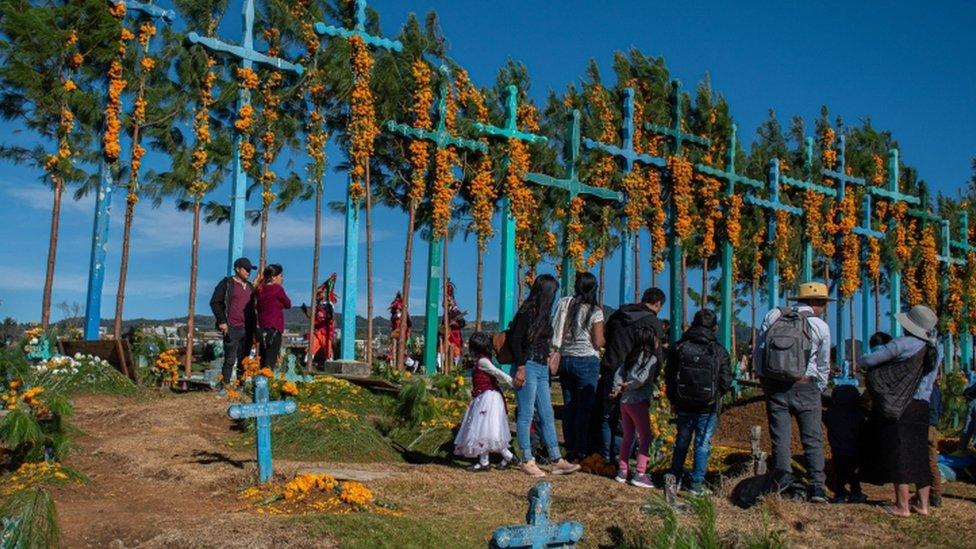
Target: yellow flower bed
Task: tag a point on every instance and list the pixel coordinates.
(29, 475)
(314, 493)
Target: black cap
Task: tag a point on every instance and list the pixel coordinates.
(244, 263)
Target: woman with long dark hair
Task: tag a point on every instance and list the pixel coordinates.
(578, 336)
(530, 336)
(270, 303)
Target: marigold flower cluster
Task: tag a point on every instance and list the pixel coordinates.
(971, 290)
(362, 122)
(31, 474)
(929, 268)
(634, 185)
(303, 485)
(828, 155)
(443, 189)
(111, 147)
(315, 140)
(913, 290)
(575, 246)
(781, 246)
(423, 99)
(733, 226)
(166, 367)
(482, 187)
(900, 236)
(201, 127)
(709, 189)
(850, 264)
(681, 170)
(522, 200)
(758, 242)
(952, 309)
(657, 219)
(269, 111)
(606, 165)
(300, 12)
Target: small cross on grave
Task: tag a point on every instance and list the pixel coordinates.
(575, 187)
(539, 533)
(262, 409)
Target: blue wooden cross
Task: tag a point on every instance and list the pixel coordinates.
(350, 264)
(248, 56)
(773, 204)
(441, 138)
(539, 533)
(731, 178)
(262, 409)
(575, 187)
(678, 137)
(965, 338)
(506, 307)
(629, 156)
(103, 205)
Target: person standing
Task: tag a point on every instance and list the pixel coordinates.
(529, 337)
(624, 329)
(271, 302)
(697, 376)
(792, 360)
(900, 377)
(577, 337)
(234, 316)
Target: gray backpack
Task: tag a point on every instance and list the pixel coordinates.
(788, 346)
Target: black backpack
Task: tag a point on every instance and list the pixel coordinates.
(697, 373)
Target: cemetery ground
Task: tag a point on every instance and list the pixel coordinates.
(172, 470)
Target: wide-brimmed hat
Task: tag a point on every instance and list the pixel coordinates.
(919, 321)
(812, 291)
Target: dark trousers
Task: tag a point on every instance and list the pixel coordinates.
(802, 401)
(606, 431)
(270, 347)
(235, 349)
(847, 477)
(578, 377)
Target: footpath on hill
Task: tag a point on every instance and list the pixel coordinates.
(162, 473)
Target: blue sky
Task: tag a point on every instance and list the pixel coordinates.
(908, 66)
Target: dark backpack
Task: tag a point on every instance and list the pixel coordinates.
(788, 346)
(697, 374)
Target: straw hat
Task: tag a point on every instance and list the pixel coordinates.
(812, 291)
(919, 321)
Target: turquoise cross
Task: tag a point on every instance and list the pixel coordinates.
(626, 153)
(678, 138)
(262, 409)
(248, 56)
(359, 30)
(506, 308)
(539, 533)
(574, 187)
(441, 139)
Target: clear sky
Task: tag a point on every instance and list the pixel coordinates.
(908, 66)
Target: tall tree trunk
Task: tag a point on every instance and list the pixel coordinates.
(52, 252)
(317, 240)
(401, 351)
(684, 293)
(191, 309)
(263, 256)
(369, 269)
(480, 291)
(130, 208)
(637, 268)
(603, 282)
(704, 295)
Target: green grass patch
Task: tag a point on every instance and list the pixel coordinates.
(369, 531)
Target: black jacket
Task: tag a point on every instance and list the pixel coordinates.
(524, 346)
(845, 420)
(220, 300)
(623, 330)
(704, 336)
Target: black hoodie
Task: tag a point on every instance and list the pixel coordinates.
(699, 334)
(623, 331)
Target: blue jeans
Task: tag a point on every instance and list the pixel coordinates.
(703, 426)
(534, 398)
(578, 376)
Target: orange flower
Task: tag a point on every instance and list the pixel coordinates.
(680, 170)
(929, 265)
(362, 121)
(423, 99)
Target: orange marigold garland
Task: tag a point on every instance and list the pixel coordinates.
(362, 124)
(269, 111)
(929, 268)
(850, 263)
(444, 185)
(605, 165)
(952, 310)
(247, 79)
(423, 99)
(680, 170)
(66, 119)
(781, 246)
(733, 226)
(521, 198)
(483, 190)
(971, 290)
(758, 243)
(201, 127)
(657, 219)
(709, 189)
(575, 245)
(111, 147)
(913, 289)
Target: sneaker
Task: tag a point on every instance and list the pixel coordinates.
(841, 498)
(477, 467)
(699, 490)
(935, 501)
(621, 477)
(857, 498)
(563, 467)
(642, 480)
(503, 464)
(531, 469)
(817, 495)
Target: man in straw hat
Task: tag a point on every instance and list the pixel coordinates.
(900, 378)
(792, 358)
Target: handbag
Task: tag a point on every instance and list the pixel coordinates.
(503, 350)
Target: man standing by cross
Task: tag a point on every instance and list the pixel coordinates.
(792, 358)
(235, 318)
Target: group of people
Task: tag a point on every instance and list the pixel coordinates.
(608, 369)
(247, 313)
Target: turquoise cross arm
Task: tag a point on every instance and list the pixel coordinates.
(510, 130)
(151, 10)
(735, 178)
(574, 187)
(807, 186)
(770, 205)
(244, 53)
(375, 41)
(439, 138)
(629, 155)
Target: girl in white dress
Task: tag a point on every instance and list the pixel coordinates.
(484, 429)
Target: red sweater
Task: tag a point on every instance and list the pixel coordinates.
(271, 303)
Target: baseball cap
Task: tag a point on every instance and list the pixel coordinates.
(243, 263)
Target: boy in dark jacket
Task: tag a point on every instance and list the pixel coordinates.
(623, 330)
(845, 420)
(697, 375)
(234, 314)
